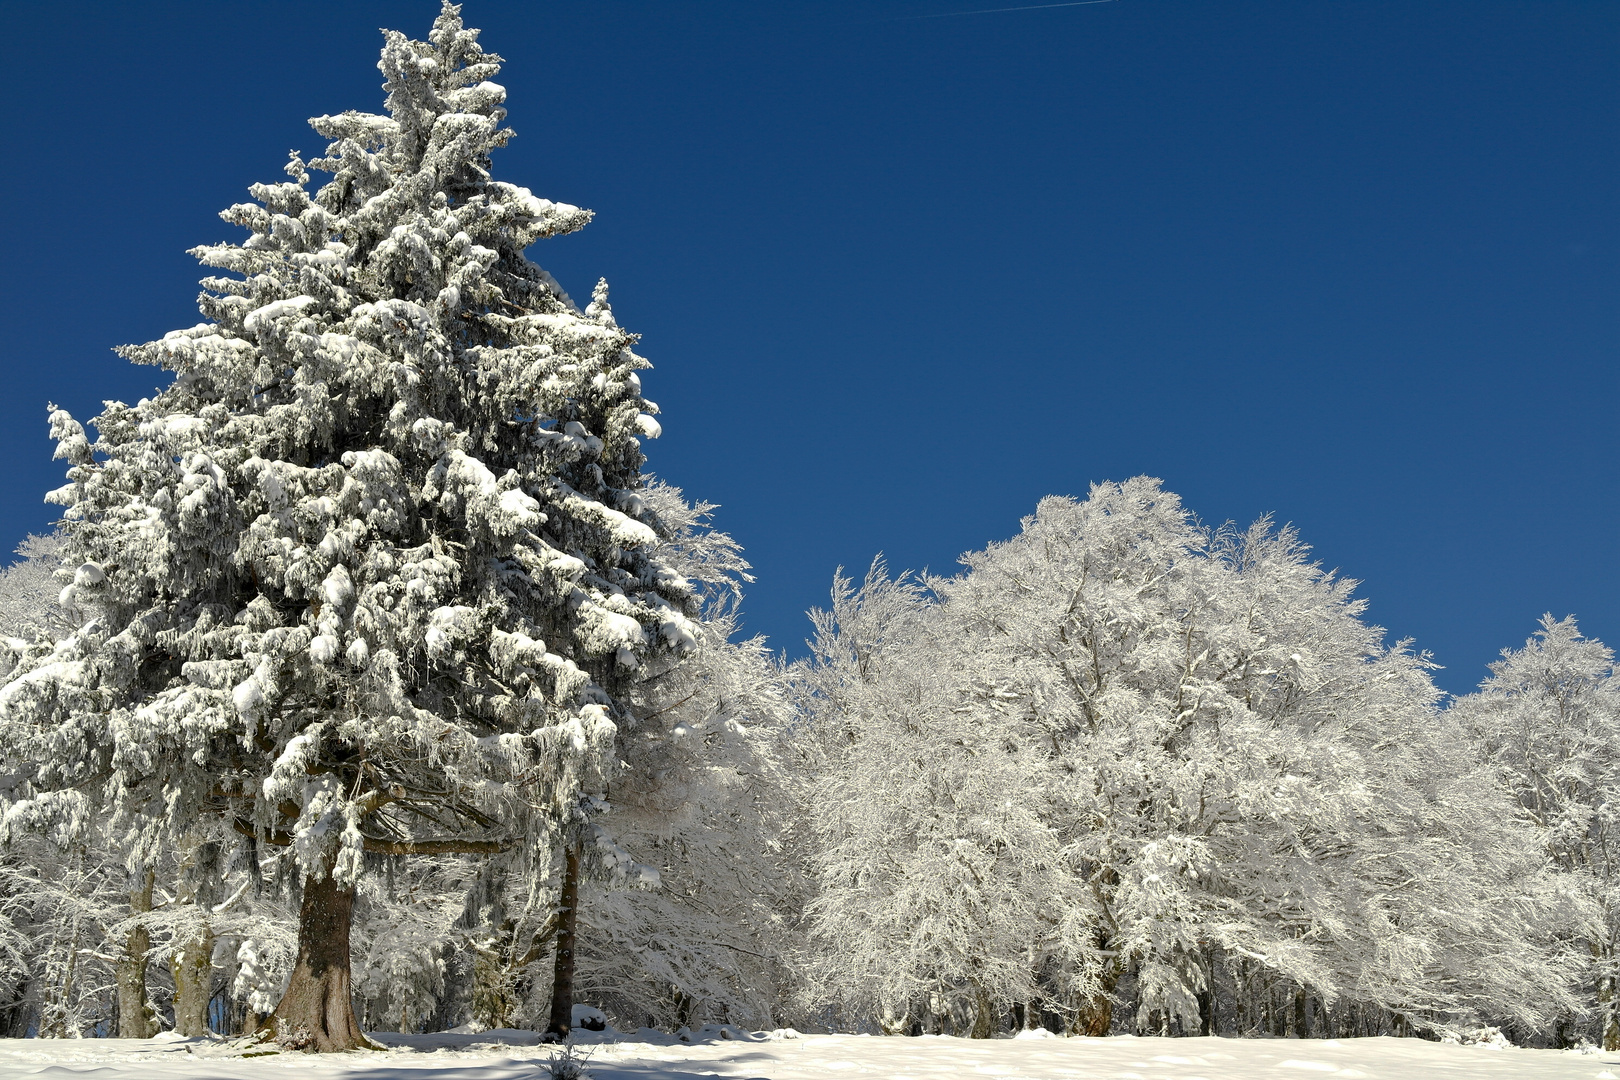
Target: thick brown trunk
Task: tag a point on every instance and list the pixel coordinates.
(135, 1017)
(1094, 1015)
(316, 1012)
(562, 982)
(193, 969)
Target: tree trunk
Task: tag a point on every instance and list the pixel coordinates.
(1207, 997)
(1095, 1014)
(193, 968)
(562, 982)
(54, 1011)
(1611, 1020)
(135, 1017)
(316, 1013)
(984, 1015)
(893, 1024)
(1094, 1017)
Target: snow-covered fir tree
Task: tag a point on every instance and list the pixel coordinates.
(374, 573)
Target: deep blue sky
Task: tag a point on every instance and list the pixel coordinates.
(1351, 263)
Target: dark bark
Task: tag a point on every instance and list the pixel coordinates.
(984, 1015)
(685, 1008)
(1207, 1020)
(389, 847)
(1094, 1017)
(562, 982)
(316, 1013)
(1095, 1014)
(135, 1017)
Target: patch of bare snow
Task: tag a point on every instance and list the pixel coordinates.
(786, 1055)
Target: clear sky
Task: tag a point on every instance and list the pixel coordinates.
(902, 272)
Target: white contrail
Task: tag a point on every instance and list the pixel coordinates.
(1026, 7)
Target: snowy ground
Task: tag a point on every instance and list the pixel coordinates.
(510, 1055)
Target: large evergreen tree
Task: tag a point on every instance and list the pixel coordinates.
(372, 574)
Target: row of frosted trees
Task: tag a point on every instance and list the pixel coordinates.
(1128, 773)
(1121, 774)
(368, 683)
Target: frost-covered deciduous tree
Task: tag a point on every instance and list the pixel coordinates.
(408, 938)
(1122, 750)
(938, 875)
(703, 796)
(58, 893)
(29, 590)
(1549, 718)
(56, 902)
(374, 573)
(704, 803)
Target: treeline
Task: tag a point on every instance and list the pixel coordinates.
(1122, 774)
(368, 682)
(1141, 775)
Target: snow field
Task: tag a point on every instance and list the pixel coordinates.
(648, 1055)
